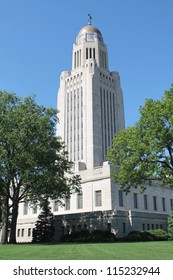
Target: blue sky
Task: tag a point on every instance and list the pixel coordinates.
(36, 38)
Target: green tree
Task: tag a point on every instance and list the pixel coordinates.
(44, 227)
(170, 225)
(144, 152)
(33, 163)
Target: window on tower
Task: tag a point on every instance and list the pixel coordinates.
(86, 53)
(94, 53)
(90, 36)
(90, 53)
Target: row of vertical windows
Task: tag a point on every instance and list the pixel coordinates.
(67, 205)
(76, 78)
(77, 59)
(68, 229)
(107, 102)
(145, 200)
(74, 124)
(151, 226)
(90, 53)
(98, 201)
(21, 232)
(103, 76)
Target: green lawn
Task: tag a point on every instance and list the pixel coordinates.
(101, 251)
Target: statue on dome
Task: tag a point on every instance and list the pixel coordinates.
(89, 19)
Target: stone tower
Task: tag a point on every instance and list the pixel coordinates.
(90, 102)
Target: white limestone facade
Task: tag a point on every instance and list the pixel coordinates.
(91, 112)
(102, 205)
(90, 102)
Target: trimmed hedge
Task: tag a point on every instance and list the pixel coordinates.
(86, 236)
(147, 235)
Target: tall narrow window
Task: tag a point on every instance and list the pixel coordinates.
(155, 203)
(80, 58)
(108, 118)
(75, 60)
(67, 204)
(98, 198)
(25, 208)
(109, 227)
(94, 53)
(124, 227)
(135, 200)
(55, 206)
(29, 232)
(120, 196)
(171, 203)
(86, 53)
(90, 53)
(163, 204)
(114, 105)
(145, 202)
(79, 201)
(73, 228)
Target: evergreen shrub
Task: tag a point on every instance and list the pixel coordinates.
(44, 228)
(86, 236)
(147, 235)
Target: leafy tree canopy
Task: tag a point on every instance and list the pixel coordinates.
(33, 163)
(170, 225)
(144, 152)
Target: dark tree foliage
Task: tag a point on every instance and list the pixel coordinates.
(170, 225)
(33, 161)
(144, 152)
(44, 228)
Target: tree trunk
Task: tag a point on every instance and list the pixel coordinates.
(13, 223)
(5, 216)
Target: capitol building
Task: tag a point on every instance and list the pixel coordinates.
(91, 112)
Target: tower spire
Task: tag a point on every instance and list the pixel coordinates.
(89, 19)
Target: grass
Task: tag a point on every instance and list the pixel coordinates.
(98, 251)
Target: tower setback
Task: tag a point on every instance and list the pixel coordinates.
(90, 102)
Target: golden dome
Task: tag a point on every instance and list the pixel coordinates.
(89, 28)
